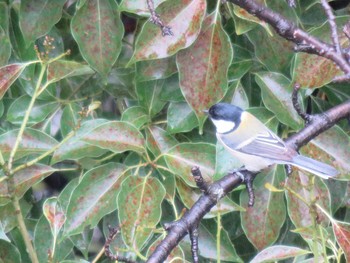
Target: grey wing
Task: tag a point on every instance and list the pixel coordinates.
(267, 145)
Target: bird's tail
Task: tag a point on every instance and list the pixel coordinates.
(321, 169)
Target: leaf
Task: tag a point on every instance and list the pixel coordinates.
(276, 253)
(184, 17)
(44, 241)
(203, 67)
(155, 69)
(189, 196)
(139, 207)
(263, 222)
(75, 148)
(94, 197)
(40, 111)
(158, 141)
(332, 145)
(116, 136)
(70, 117)
(8, 214)
(245, 15)
(9, 253)
(33, 142)
(136, 115)
(209, 244)
(24, 179)
(8, 74)
(138, 7)
(274, 52)
(54, 214)
(181, 118)
(60, 69)
(342, 234)
(312, 71)
(98, 30)
(298, 212)
(37, 17)
(149, 93)
(276, 93)
(239, 97)
(5, 45)
(184, 156)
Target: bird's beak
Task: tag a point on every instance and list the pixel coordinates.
(206, 112)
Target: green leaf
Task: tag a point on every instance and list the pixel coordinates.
(33, 142)
(276, 92)
(155, 69)
(203, 67)
(149, 95)
(239, 97)
(138, 7)
(24, 179)
(158, 141)
(116, 136)
(274, 52)
(136, 115)
(8, 74)
(70, 117)
(184, 17)
(277, 253)
(60, 69)
(245, 15)
(209, 244)
(181, 118)
(40, 111)
(98, 30)
(94, 197)
(301, 184)
(184, 156)
(139, 207)
(263, 222)
(75, 148)
(190, 196)
(9, 253)
(8, 214)
(5, 45)
(37, 17)
(44, 241)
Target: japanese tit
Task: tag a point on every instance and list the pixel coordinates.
(255, 145)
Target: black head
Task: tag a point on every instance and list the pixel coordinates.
(225, 111)
(226, 117)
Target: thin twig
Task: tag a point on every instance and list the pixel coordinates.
(155, 19)
(306, 117)
(333, 26)
(194, 244)
(113, 232)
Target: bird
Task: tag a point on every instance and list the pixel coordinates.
(255, 145)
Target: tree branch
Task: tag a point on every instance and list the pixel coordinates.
(289, 31)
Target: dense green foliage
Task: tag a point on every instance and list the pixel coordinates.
(107, 132)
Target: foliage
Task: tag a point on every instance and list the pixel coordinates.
(119, 120)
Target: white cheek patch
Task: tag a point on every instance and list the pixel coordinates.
(223, 126)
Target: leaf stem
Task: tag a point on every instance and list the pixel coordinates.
(54, 148)
(25, 119)
(218, 236)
